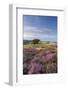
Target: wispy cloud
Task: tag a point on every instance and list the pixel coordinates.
(41, 27)
(31, 32)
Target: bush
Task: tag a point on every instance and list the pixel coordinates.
(35, 41)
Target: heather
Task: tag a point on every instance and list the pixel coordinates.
(40, 58)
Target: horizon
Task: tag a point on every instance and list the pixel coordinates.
(40, 27)
(40, 40)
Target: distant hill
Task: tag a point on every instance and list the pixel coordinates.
(26, 41)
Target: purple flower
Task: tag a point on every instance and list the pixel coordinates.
(35, 68)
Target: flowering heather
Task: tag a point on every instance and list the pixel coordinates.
(35, 68)
(39, 61)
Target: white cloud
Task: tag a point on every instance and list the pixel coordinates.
(41, 33)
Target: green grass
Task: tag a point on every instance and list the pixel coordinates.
(43, 45)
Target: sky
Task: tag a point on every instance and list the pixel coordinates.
(40, 27)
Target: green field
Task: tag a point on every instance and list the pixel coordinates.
(41, 45)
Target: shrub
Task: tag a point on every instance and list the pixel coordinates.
(35, 41)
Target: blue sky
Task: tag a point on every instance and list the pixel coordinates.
(40, 27)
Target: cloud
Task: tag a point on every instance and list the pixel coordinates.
(41, 33)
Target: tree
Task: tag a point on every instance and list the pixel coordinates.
(35, 41)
